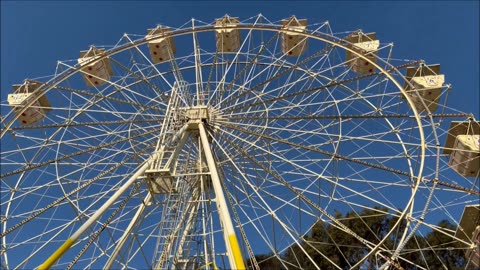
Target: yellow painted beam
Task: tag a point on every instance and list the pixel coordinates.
(210, 263)
(56, 255)
(237, 255)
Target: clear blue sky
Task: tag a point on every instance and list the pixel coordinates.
(34, 35)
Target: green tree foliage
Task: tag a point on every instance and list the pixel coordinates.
(328, 245)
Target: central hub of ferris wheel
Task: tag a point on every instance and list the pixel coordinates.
(194, 115)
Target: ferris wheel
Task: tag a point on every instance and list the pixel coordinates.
(204, 145)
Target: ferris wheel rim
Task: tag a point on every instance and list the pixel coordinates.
(50, 85)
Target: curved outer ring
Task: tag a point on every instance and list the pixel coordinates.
(274, 28)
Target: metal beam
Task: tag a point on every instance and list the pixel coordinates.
(234, 254)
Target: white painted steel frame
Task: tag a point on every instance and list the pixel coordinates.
(407, 212)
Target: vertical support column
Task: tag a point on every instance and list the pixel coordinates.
(192, 212)
(234, 254)
(93, 218)
(183, 138)
(127, 233)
